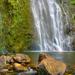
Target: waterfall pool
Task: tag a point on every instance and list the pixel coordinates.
(67, 57)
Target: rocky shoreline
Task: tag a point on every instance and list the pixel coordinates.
(21, 64)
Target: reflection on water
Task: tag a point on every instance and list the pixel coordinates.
(67, 57)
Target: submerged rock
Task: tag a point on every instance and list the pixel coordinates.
(50, 66)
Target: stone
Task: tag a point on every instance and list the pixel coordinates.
(18, 62)
(50, 66)
(19, 67)
(3, 70)
(22, 58)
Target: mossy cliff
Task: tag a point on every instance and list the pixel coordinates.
(69, 29)
(72, 16)
(16, 31)
(16, 24)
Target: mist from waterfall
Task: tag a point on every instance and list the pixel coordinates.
(48, 18)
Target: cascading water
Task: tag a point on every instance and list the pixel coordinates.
(48, 20)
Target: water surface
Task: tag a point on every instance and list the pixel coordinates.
(66, 57)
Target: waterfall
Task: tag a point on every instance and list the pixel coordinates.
(48, 18)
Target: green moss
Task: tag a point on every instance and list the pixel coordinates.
(72, 2)
(17, 24)
(72, 11)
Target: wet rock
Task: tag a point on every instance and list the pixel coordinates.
(4, 70)
(49, 65)
(19, 67)
(18, 62)
(22, 58)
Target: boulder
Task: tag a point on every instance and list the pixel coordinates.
(22, 58)
(50, 66)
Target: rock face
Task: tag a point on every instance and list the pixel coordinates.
(50, 65)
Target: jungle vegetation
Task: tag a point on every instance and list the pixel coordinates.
(16, 24)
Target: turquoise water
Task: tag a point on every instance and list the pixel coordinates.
(66, 57)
